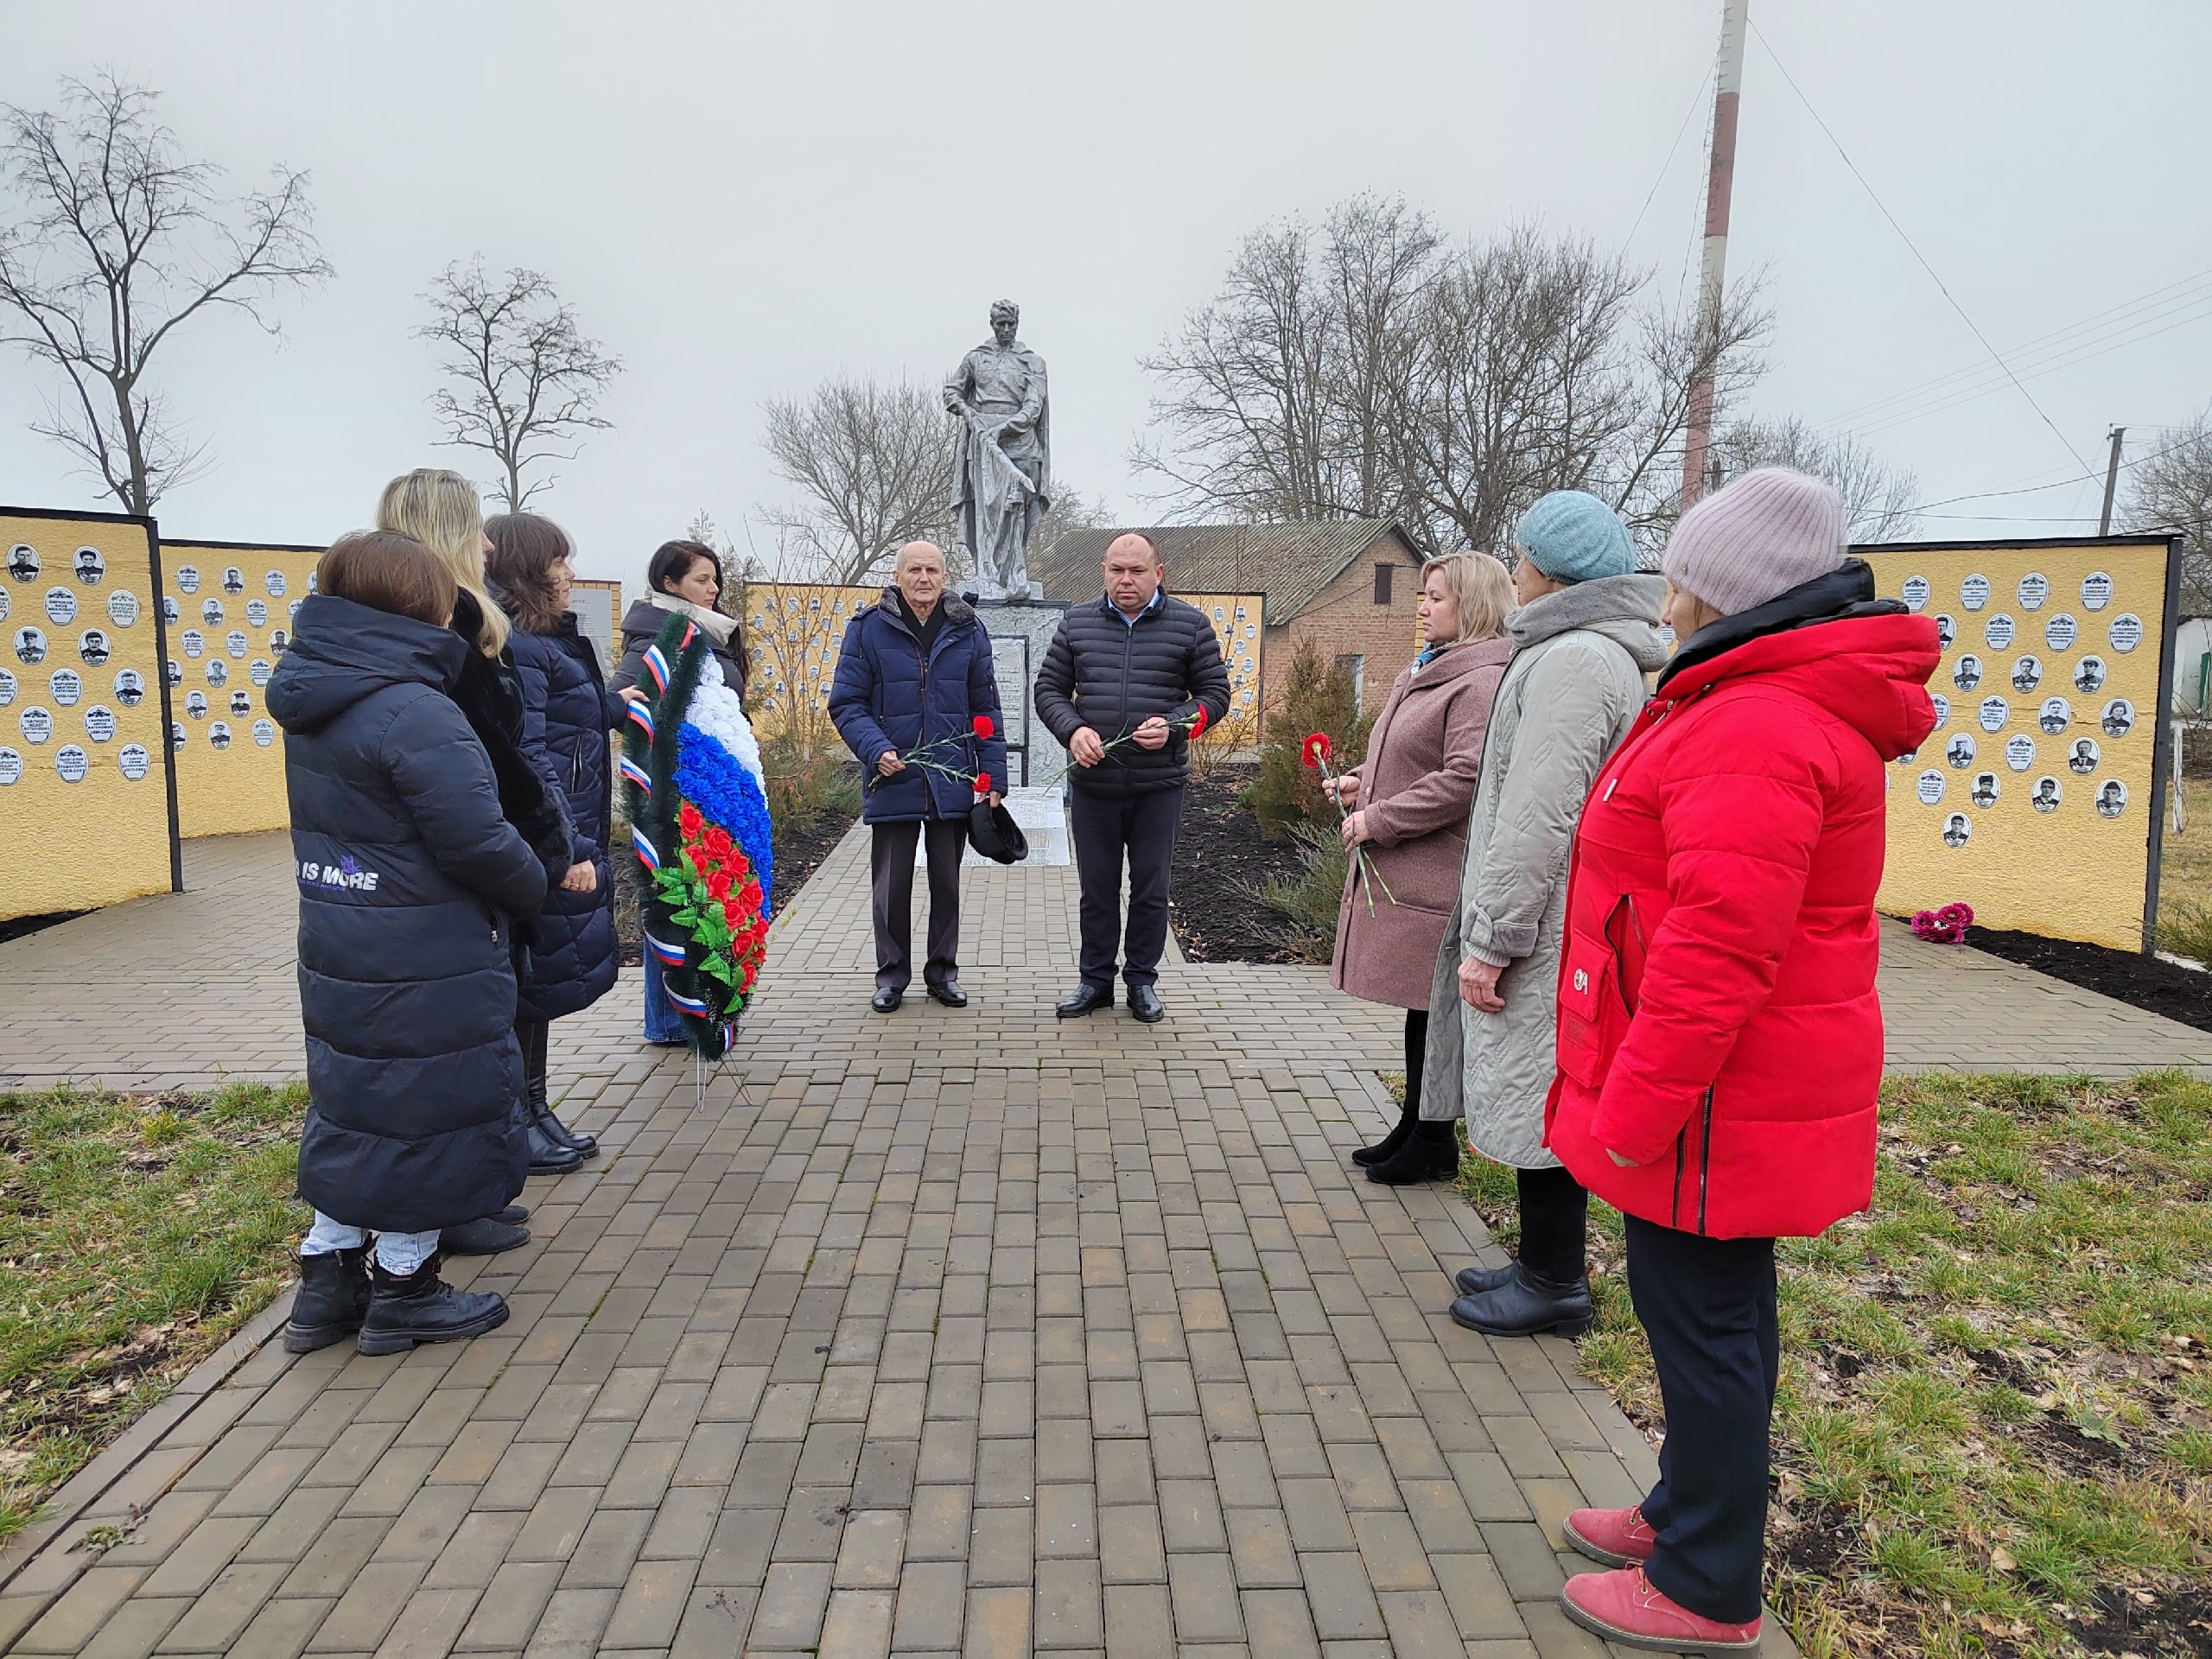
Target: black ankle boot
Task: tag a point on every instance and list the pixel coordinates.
(584, 1145)
(1528, 1304)
(1383, 1150)
(547, 1155)
(1431, 1153)
(331, 1300)
(422, 1308)
(487, 1235)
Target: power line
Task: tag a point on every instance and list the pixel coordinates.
(2160, 302)
(1688, 115)
(2038, 489)
(1913, 249)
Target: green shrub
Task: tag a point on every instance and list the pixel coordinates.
(809, 773)
(1317, 697)
(1309, 902)
(2186, 931)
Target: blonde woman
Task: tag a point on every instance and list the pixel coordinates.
(439, 509)
(1408, 805)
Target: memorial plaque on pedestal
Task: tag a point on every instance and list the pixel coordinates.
(1020, 632)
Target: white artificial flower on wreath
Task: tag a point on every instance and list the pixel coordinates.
(715, 711)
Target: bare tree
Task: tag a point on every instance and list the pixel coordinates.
(527, 379)
(2170, 491)
(1071, 511)
(117, 242)
(1371, 370)
(874, 464)
(1878, 496)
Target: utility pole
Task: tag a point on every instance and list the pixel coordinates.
(2112, 481)
(1720, 178)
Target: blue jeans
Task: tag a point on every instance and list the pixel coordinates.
(662, 1023)
(397, 1254)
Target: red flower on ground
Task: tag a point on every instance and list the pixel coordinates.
(718, 842)
(985, 726)
(1314, 751)
(689, 821)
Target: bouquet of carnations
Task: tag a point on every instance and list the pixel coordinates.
(1945, 926)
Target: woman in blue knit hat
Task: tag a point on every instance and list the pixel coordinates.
(1586, 634)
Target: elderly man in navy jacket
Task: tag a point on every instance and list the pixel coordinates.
(1124, 681)
(912, 678)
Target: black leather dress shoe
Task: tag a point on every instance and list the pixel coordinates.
(1084, 999)
(1145, 1003)
(950, 994)
(887, 1000)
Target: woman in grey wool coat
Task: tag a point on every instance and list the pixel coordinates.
(1586, 635)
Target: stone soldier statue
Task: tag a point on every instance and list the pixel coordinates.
(1004, 462)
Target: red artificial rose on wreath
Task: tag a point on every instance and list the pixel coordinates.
(718, 885)
(1314, 751)
(985, 726)
(689, 821)
(718, 842)
(696, 857)
(1198, 723)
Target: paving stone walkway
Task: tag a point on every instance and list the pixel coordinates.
(939, 1333)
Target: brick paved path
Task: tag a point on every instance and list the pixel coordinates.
(945, 1332)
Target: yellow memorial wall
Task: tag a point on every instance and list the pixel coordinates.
(229, 606)
(793, 630)
(2039, 798)
(84, 776)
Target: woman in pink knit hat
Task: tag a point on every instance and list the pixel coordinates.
(1719, 1039)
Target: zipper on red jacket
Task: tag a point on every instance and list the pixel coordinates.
(1705, 1161)
(1675, 1212)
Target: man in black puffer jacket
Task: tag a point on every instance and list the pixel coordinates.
(1136, 670)
(411, 882)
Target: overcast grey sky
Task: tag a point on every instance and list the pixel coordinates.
(741, 199)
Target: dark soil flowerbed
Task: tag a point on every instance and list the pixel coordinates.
(2147, 982)
(23, 926)
(1220, 865)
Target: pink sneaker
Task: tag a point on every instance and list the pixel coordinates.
(1625, 1607)
(1616, 1537)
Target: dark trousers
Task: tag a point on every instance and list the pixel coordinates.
(1554, 1224)
(1104, 828)
(891, 866)
(532, 1034)
(1416, 1051)
(1708, 1304)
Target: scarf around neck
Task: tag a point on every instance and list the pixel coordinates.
(715, 625)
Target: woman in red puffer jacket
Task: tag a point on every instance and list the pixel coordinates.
(1720, 1038)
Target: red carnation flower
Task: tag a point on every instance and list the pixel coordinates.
(983, 787)
(1198, 723)
(689, 821)
(718, 842)
(1314, 751)
(985, 726)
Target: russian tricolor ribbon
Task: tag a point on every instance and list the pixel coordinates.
(696, 1006)
(657, 666)
(669, 956)
(642, 717)
(637, 774)
(647, 853)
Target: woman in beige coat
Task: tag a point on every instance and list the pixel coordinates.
(1411, 796)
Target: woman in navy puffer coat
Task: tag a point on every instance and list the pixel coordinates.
(566, 713)
(411, 883)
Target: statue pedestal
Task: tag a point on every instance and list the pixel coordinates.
(1020, 629)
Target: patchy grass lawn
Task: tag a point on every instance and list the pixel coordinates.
(1995, 1430)
(136, 1234)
